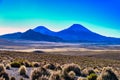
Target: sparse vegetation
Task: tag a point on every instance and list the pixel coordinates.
(57, 67)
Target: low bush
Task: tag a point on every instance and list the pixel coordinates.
(15, 64)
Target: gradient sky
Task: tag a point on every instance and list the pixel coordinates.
(101, 16)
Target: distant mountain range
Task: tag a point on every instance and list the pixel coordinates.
(75, 33)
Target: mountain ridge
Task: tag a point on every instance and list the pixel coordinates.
(77, 27)
(74, 33)
(32, 35)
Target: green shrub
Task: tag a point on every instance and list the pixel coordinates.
(18, 63)
(15, 64)
(92, 76)
(87, 71)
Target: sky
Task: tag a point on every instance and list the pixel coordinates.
(100, 16)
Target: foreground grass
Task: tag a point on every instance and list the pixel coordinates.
(61, 59)
(7, 57)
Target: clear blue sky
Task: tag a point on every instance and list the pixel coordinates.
(101, 16)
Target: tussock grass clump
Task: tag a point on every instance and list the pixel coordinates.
(5, 76)
(2, 68)
(72, 67)
(39, 72)
(22, 70)
(58, 67)
(67, 68)
(35, 64)
(27, 63)
(21, 79)
(107, 74)
(35, 74)
(3, 73)
(12, 78)
(87, 71)
(55, 76)
(8, 66)
(43, 78)
(80, 78)
(71, 75)
(50, 66)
